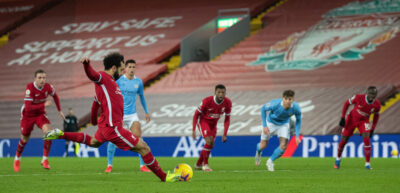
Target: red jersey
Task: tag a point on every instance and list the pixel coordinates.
(362, 109)
(109, 97)
(209, 110)
(35, 98)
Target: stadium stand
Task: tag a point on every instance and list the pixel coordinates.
(148, 31)
(370, 58)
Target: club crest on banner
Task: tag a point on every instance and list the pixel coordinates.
(344, 34)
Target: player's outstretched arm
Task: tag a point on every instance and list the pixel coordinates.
(90, 72)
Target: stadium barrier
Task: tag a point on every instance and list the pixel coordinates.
(243, 146)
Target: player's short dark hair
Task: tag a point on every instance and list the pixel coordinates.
(130, 61)
(39, 71)
(372, 88)
(219, 86)
(288, 93)
(113, 59)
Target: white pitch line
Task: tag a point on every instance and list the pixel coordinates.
(47, 174)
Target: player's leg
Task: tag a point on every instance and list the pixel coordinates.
(283, 132)
(76, 137)
(364, 129)
(203, 127)
(66, 148)
(347, 132)
(207, 150)
(44, 123)
(27, 124)
(110, 156)
(260, 147)
(137, 131)
(125, 140)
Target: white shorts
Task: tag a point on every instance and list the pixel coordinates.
(129, 119)
(281, 130)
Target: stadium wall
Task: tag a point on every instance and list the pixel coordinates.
(242, 146)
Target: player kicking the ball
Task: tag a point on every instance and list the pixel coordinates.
(108, 96)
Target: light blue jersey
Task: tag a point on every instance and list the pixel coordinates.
(129, 90)
(279, 116)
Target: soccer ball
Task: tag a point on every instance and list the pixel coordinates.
(185, 170)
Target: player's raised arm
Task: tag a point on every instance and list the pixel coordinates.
(90, 72)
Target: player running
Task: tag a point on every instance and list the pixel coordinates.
(206, 118)
(33, 112)
(364, 106)
(130, 86)
(109, 98)
(278, 120)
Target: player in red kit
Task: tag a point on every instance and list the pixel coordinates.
(364, 106)
(206, 118)
(109, 99)
(33, 112)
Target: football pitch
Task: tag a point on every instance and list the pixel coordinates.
(231, 174)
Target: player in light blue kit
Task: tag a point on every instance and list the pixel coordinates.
(130, 86)
(278, 120)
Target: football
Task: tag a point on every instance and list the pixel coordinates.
(185, 170)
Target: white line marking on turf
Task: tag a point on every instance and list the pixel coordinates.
(47, 174)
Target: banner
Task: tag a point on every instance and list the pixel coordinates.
(242, 146)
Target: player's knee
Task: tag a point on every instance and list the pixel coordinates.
(283, 147)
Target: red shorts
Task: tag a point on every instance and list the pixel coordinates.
(207, 128)
(351, 125)
(27, 123)
(117, 135)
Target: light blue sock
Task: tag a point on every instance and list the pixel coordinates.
(277, 154)
(110, 152)
(141, 160)
(258, 148)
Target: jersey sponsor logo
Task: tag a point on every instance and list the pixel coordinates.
(343, 34)
(360, 106)
(372, 110)
(223, 109)
(36, 95)
(136, 86)
(214, 115)
(210, 109)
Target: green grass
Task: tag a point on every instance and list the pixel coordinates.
(292, 175)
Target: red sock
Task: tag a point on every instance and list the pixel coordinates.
(207, 150)
(200, 160)
(367, 149)
(77, 137)
(20, 148)
(342, 143)
(46, 148)
(152, 164)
